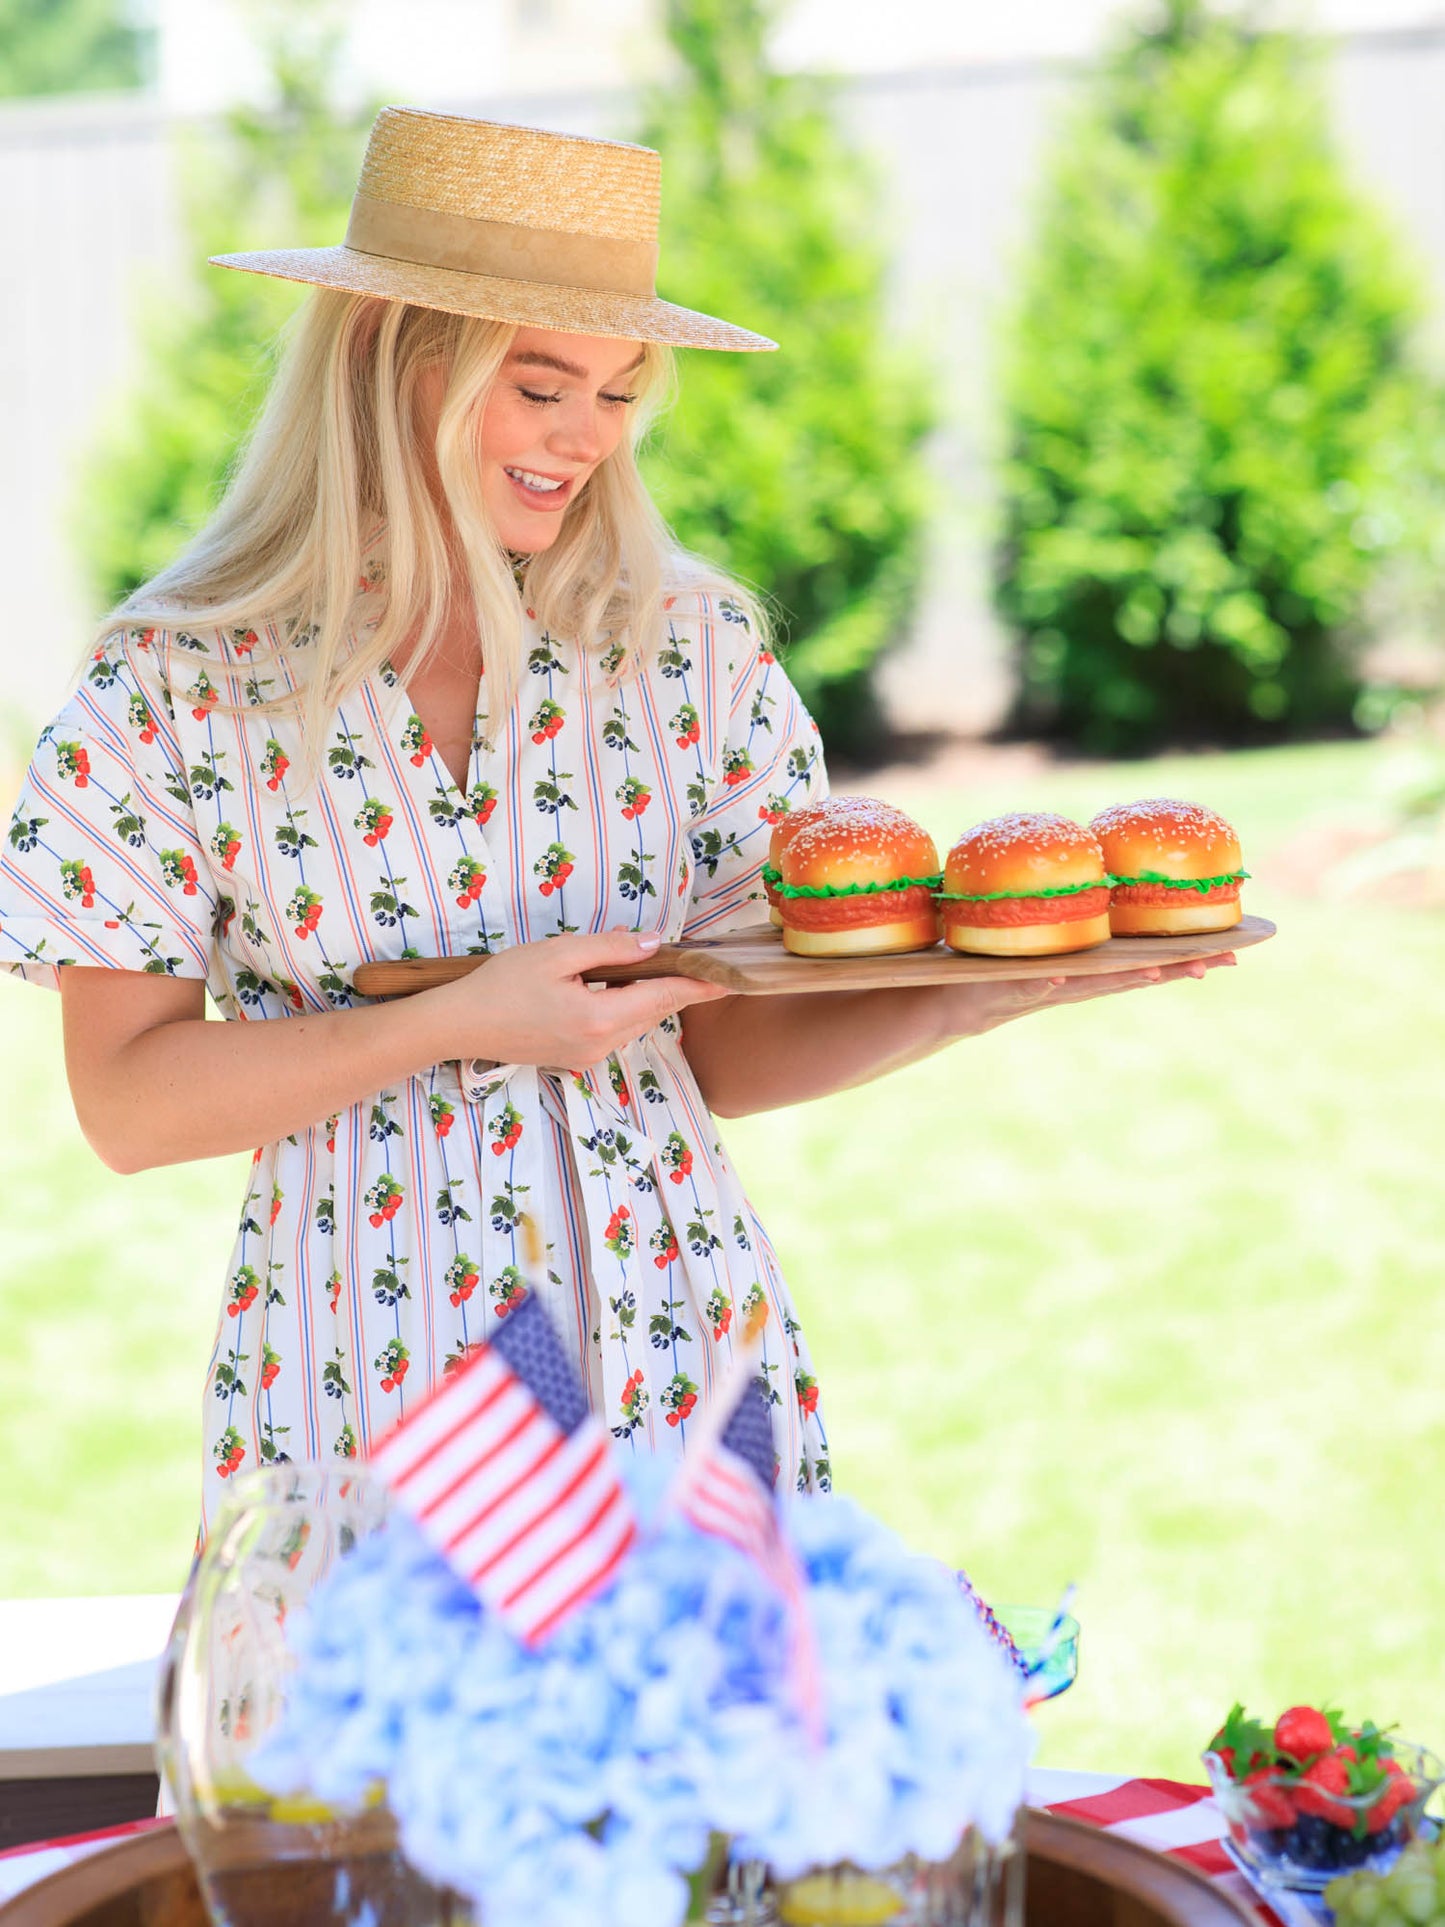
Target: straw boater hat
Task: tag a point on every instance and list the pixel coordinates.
(510, 223)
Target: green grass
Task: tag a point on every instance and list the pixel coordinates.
(1143, 1294)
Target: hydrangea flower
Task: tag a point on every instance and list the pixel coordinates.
(585, 1778)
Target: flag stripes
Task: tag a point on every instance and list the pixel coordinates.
(532, 1516)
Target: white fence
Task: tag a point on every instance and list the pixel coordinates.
(88, 219)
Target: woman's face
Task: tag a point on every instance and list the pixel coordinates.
(558, 407)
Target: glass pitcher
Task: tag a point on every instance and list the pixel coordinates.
(264, 1860)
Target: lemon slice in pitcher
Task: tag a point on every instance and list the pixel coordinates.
(841, 1899)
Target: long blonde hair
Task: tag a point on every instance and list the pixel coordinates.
(333, 459)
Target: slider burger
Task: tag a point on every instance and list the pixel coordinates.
(1025, 886)
(786, 830)
(858, 880)
(1175, 868)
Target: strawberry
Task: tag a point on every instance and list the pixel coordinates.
(1302, 1733)
(1328, 1775)
(1399, 1793)
(1270, 1801)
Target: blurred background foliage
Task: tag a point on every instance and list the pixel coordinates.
(801, 472)
(1218, 432)
(69, 46)
(282, 174)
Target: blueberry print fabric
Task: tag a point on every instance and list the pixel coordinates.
(160, 829)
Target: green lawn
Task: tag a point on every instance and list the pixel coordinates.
(1142, 1294)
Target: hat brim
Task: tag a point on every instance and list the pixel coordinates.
(536, 304)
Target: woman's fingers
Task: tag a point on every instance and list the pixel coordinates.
(571, 955)
(1110, 983)
(627, 1010)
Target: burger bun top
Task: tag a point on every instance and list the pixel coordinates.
(1023, 855)
(826, 806)
(1160, 837)
(865, 842)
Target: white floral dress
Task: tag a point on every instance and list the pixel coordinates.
(158, 832)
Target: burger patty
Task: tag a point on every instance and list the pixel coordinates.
(857, 912)
(1001, 912)
(1165, 893)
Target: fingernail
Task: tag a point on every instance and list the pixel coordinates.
(1153, 975)
(1057, 983)
(647, 944)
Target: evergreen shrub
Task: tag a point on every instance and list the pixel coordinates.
(1211, 401)
(278, 177)
(800, 471)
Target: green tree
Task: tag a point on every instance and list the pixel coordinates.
(281, 176)
(800, 471)
(68, 46)
(1210, 400)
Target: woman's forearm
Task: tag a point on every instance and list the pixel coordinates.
(188, 1088)
(758, 1053)
(155, 1083)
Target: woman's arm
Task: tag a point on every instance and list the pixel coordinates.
(155, 1083)
(759, 1053)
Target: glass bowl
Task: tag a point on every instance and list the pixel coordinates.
(979, 1885)
(1292, 1834)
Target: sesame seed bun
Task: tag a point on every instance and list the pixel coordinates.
(1155, 845)
(865, 842)
(788, 827)
(1004, 871)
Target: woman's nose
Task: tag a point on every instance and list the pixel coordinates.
(577, 435)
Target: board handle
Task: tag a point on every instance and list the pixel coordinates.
(405, 976)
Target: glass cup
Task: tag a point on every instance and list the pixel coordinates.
(1052, 1672)
(263, 1860)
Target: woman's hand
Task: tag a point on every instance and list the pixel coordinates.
(155, 1083)
(529, 1005)
(970, 1009)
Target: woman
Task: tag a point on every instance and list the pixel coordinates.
(436, 680)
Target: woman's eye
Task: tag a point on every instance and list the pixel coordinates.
(530, 394)
(620, 401)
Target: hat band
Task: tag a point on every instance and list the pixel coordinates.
(433, 239)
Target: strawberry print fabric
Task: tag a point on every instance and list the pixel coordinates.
(158, 831)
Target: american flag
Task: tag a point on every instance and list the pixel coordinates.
(512, 1480)
(725, 1488)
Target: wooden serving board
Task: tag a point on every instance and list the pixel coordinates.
(754, 962)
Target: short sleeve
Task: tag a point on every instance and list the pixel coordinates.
(772, 764)
(103, 864)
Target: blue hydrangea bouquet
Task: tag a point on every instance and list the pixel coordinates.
(632, 1763)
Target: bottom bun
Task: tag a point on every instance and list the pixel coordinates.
(1027, 939)
(775, 916)
(1172, 919)
(864, 940)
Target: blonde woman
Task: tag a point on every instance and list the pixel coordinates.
(436, 680)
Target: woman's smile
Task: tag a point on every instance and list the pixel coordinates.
(546, 494)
